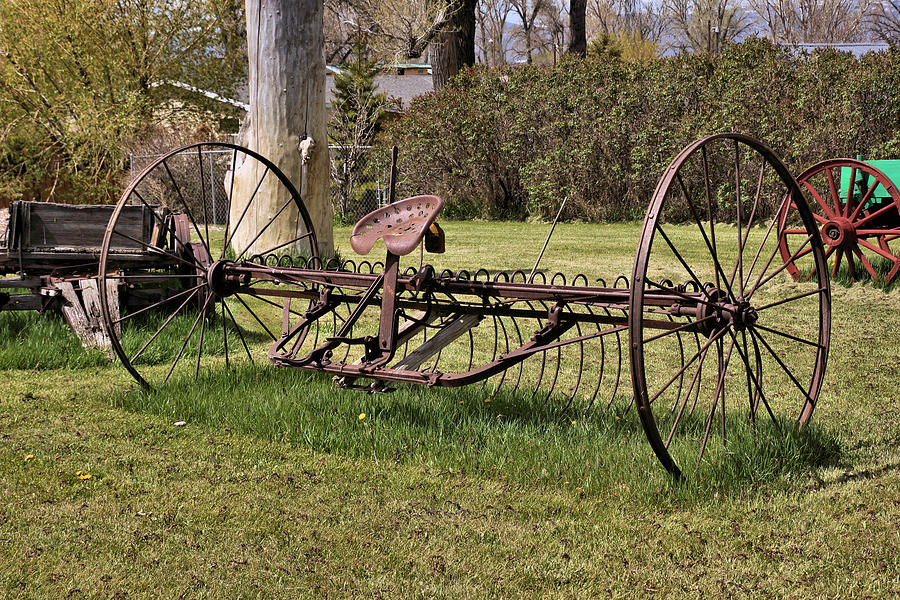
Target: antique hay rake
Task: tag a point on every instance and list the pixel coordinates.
(714, 329)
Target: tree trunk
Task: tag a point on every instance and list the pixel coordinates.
(454, 47)
(577, 33)
(285, 40)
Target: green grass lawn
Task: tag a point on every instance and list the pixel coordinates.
(281, 485)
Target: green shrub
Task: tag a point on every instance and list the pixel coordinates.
(514, 142)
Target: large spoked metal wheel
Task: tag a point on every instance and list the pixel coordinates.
(206, 206)
(760, 340)
(857, 209)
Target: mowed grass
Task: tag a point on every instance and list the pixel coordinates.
(278, 486)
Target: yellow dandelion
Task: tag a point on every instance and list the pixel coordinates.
(574, 422)
(29, 456)
(362, 416)
(84, 476)
(487, 399)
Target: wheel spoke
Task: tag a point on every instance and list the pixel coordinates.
(789, 336)
(865, 220)
(687, 396)
(720, 390)
(159, 250)
(743, 240)
(187, 209)
(761, 282)
(265, 227)
(832, 188)
(238, 329)
(163, 326)
(739, 266)
(680, 259)
(707, 187)
(230, 200)
(205, 211)
(155, 304)
(790, 299)
(187, 339)
(296, 239)
(819, 200)
(878, 250)
(780, 362)
(717, 267)
(865, 262)
(715, 336)
(224, 331)
(850, 185)
(758, 385)
(246, 208)
(765, 239)
(837, 262)
(864, 200)
(202, 332)
(258, 320)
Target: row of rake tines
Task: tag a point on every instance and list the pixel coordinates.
(604, 355)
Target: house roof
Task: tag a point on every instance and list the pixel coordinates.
(400, 87)
(415, 80)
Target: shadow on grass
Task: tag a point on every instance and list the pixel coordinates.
(514, 438)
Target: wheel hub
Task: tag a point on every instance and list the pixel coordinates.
(839, 232)
(224, 282)
(725, 314)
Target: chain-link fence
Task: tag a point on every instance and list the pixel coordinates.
(200, 177)
(360, 180)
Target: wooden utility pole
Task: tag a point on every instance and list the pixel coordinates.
(286, 123)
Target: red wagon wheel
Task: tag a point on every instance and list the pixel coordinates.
(857, 210)
(762, 346)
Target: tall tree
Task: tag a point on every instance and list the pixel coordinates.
(637, 19)
(528, 11)
(577, 30)
(454, 46)
(286, 123)
(492, 18)
(706, 25)
(390, 30)
(887, 22)
(358, 109)
(828, 21)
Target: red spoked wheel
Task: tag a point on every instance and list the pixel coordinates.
(857, 210)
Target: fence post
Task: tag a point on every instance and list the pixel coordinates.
(212, 189)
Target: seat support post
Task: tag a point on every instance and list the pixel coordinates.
(387, 325)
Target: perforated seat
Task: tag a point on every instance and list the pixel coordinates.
(401, 224)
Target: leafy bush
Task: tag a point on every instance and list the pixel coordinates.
(514, 142)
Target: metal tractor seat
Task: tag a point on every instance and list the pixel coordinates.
(401, 224)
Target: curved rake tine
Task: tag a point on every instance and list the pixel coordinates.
(590, 403)
(618, 369)
(494, 354)
(521, 364)
(555, 375)
(506, 345)
(578, 372)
